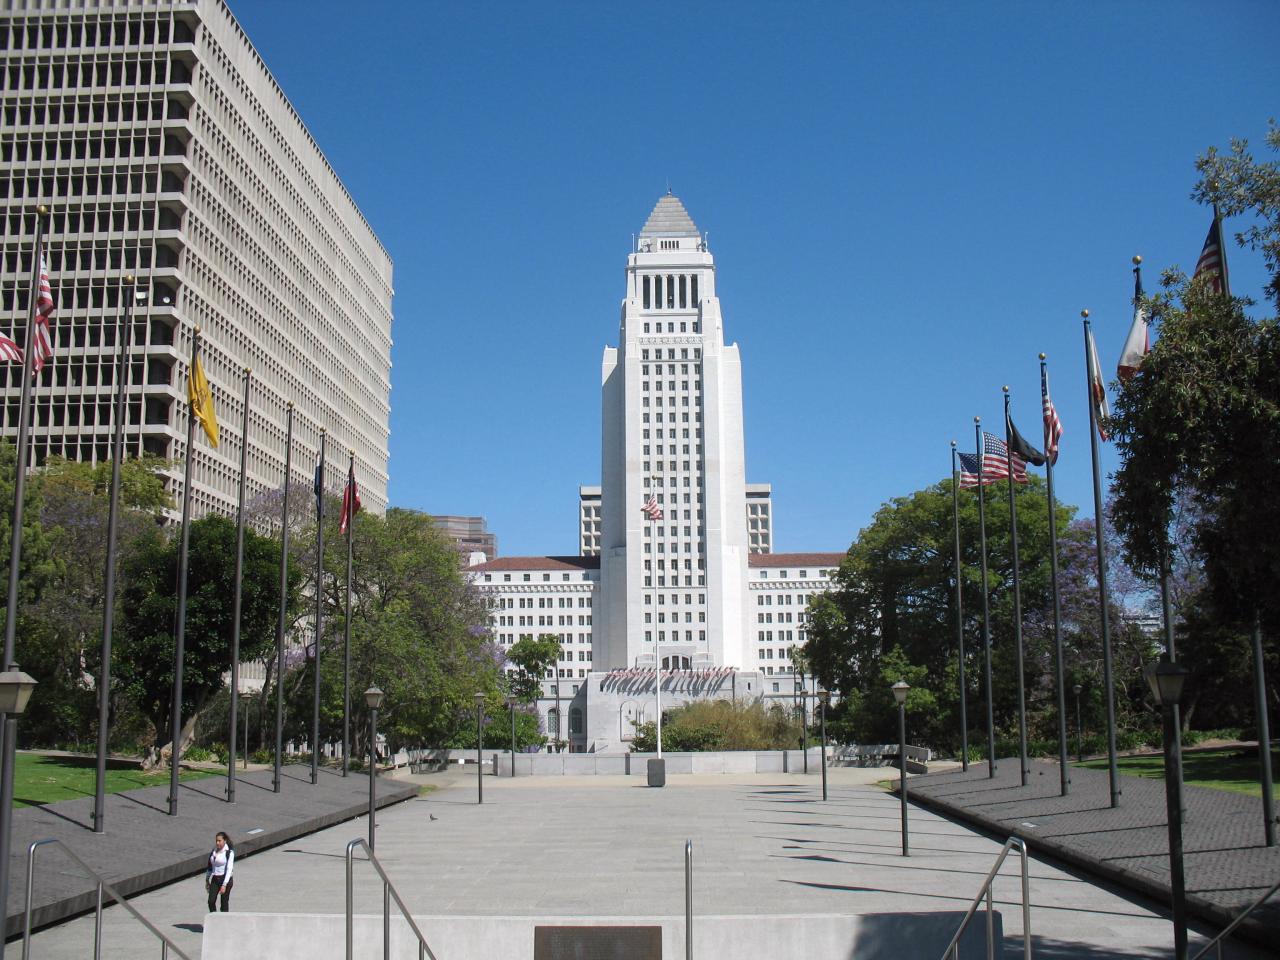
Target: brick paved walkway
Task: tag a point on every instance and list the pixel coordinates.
(1227, 864)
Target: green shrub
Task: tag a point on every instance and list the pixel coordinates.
(197, 754)
(721, 725)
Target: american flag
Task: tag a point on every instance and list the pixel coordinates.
(350, 500)
(651, 508)
(1052, 425)
(1210, 263)
(995, 464)
(43, 343)
(10, 350)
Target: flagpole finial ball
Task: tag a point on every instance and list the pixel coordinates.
(1005, 388)
(977, 419)
(1137, 260)
(1085, 314)
(42, 210)
(1042, 356)
(128, 278)
(248, 370)
(324, 429)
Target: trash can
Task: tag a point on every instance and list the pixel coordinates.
(657, 772)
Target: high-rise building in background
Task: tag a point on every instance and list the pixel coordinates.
(470, 534)
(676, 566)
(164, 148)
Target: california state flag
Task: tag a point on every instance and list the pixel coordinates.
(1138, 344)
(1097, 388)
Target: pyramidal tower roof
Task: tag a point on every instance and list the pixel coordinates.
(669, 219)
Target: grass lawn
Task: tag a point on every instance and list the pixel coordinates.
(40, 779)
(1234, 770)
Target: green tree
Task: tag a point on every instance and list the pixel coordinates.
(1197, 429)
(419, 632)
(64, 644)
(533, 658)
(891, 615)
(149, 611)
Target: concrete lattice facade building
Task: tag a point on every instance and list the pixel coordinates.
(164, 148)
(698, 591)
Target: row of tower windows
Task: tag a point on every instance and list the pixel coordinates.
(671, 353)
(47, 34)
(669, 291)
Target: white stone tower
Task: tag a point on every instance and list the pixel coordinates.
(672, 426)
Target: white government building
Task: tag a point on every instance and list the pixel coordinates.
(699, 587)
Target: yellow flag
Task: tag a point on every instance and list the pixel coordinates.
(201, 398)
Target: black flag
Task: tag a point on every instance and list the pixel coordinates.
(1018, 444)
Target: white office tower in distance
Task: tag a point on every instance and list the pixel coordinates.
(676, 569)
(675, 576)
(164, 148)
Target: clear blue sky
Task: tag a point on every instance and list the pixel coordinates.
(907, 202)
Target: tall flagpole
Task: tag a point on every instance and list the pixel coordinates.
(1064, 778)
(284, 594)
(986, 601)
(124, 333)
(179, 637)
(238, 595)
(347, 504)
(315, 689)
(955, 514)
(9, 733)
(1255, 642)
(1101, 547)
(1017, 599)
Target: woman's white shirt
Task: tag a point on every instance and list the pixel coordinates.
(221, 863)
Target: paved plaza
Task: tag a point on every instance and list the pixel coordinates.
(609, 846)
(1228, 865)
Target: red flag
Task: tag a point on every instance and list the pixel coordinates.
(43, 340)
(350, 500)
(9, 350)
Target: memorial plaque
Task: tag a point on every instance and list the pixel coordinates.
(597, 943)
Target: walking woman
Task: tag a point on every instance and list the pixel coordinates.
(217, 879)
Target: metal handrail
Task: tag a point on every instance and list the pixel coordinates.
(953, 948)
(1217, 941)
(388, 892)
(688, 900)
(165, 942)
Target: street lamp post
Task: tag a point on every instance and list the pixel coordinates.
(511, 705)
(479, 747)
(900, 695)
(824, 697)
(804, 723)
(1166, 680)
(15, 691)
(373, 699)
(1079, 729)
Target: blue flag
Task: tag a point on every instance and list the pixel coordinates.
(319, 488)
